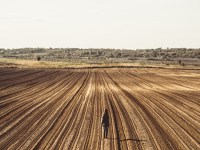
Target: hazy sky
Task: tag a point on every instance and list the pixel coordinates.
(128, 24)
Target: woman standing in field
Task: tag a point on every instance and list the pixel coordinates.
(105, 123)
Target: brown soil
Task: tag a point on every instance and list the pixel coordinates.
(149, 108)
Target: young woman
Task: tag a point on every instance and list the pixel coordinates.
(105, 123)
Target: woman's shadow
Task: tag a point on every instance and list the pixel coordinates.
(137, 140)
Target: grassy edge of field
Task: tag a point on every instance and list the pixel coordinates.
(19, 63)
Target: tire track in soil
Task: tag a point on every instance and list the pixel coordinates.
(187, 135)
(78, 121)
(84, 134)
(17, 78)
(190, 102)
(25, 106)
(163, 138)
(66, 112)
(50, 77)
(56, 119)
(114, 124)
(12, 74)
(38, 114)
(52, 133)
(179, 138)
(141, 123)
(128, 127)
(14, 87)
(29, 92)
(93, 136)
(18, 97)
(173, 99)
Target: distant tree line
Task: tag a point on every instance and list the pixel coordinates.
(79, 53)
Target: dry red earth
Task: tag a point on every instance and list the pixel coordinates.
(149, 108)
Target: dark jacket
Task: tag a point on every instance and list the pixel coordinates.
(105, 119)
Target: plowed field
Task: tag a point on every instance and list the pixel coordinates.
(149, 108)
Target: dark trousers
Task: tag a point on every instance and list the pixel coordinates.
(105, 131)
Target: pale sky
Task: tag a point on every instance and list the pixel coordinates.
(129, 24)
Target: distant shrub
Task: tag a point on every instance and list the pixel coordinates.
(38, 58)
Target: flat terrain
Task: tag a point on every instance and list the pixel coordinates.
(149, 108)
